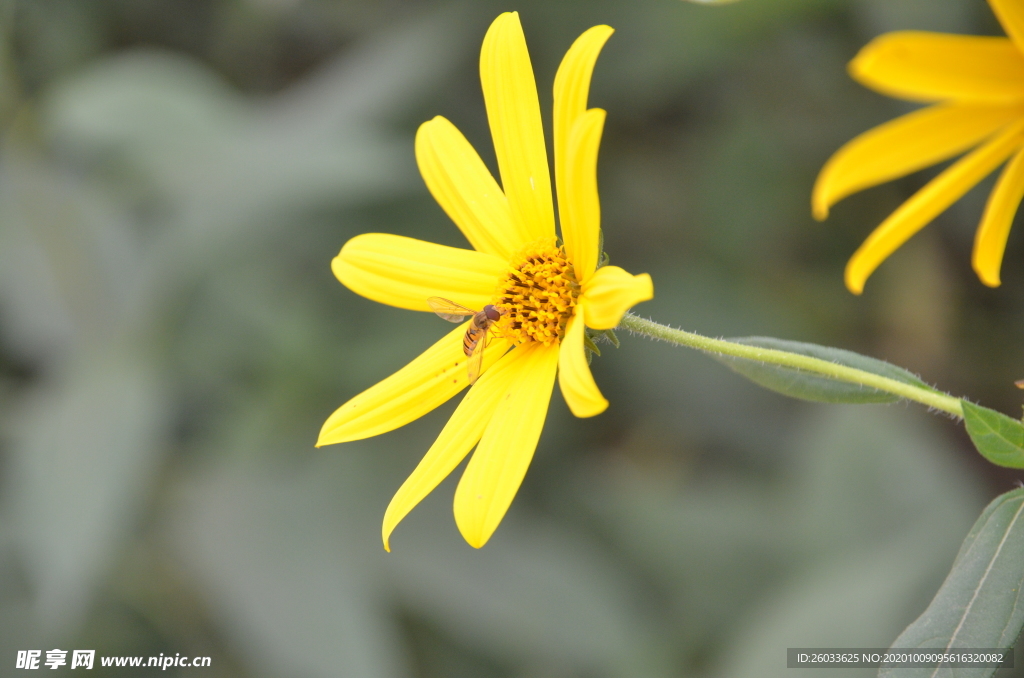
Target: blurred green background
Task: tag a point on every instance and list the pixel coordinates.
(175, 177)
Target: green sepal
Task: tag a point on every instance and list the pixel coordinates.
(609, 335)
(980, 604)
(604, 259)
(819, 388)
(588, 343)
(999, 438)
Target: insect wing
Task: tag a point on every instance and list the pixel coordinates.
(476, 358)
(448, 309)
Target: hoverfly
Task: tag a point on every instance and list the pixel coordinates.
(477, 334)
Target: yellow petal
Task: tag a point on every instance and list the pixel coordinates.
(429, 380)
(574, 378)
(610, 292)
(499, 464)
(572, 87)
(990, 240)
(513, 111)
(465, 189)
(924, 66)
(581, 215)
(405, 272)
(904, 145)
(457, 438)
(1011, 16)
(929, 202)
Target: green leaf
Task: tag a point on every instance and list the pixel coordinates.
(999, 438)
(979, 605)
(801, 384)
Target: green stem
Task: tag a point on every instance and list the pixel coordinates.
(653, 330)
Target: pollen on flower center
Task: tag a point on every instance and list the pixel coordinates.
(537, 296)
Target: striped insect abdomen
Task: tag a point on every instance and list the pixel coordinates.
(478, 325)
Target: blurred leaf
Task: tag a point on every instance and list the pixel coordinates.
(85, 450)
(878, 505)
(998, 438)
(85, 438)
(538, 594)
(800, 384)
(978, 605)
(944, 16)
(208, 148)
(859, 601)
(10, 87)
(708, 549)
(291, 562)
(68, 258)
(170, 134)
(867, 475)
(870, 501)
(276, 556)
(674, 43)
(18, 624)
(167, 128)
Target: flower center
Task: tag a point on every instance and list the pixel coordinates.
(537, 297)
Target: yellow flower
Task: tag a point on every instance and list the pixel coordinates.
(977, 87)
(547, 292)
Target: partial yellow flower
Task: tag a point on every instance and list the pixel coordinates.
(547, 291)
(976, 88)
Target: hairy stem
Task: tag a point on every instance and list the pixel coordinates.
(653, 330)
